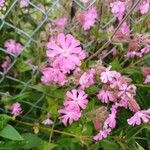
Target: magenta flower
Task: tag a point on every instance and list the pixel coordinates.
(102, 134)
(76, 97)
(105, 96)
(69, 114)
(24, 3)
(107, 75)
(147, 79)
(87, 78)
(16, 109)
(47, 121)
(144, 8)
(88, 18)
(65, 52)
(61, 22)
(13, 47)
(2, 3)
(118, 9)
(138, 117)
(52, 75)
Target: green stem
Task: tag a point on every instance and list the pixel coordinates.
(50, 130)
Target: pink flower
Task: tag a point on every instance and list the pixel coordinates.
(88, 18)
(84, 1)
(65, 52)
(102, 134)
(105, 96)
(87, 78)
(52, 75)
(124, 30)
(111, 120)
(147, 80)
(61, 22)
(123, 103)
(13, 47)
(16, 109)
(138, 117)
(69, 114)
(2, 3)
(118, 9)
(5, 65)
(107, 75)
(144, 8)
(76, 97)
(24, 3)
(47, 121)
(127, 91)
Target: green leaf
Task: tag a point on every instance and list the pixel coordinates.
(3, 120)
(109, 145)
(116, 64)
(9, 132)
(92, 89)
(32, 141)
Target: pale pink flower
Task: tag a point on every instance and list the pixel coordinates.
(123, 103)
(2, 3)
(87, 78)
(105, 96)
(138, 117)
(65, 52)
(16, 109)
(24, 3)
(84, 1)
(102, 134)
(47, 121)
(107, 75)
(76, 97)
(61, 22)
(13, 47)
(147, 79)
(69, 114)
(144, 7)
(127, 91)
(52, 75)
(124, 30)
(88, 18)
(118, 9)
(5, 65)
(110, 121)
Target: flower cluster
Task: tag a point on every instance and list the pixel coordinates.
(140, 53)
(118, 9)
(75, 101)
(88, 18)
(116, 89)
(13, 47)
(65, 55)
